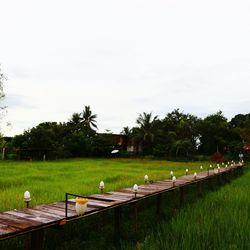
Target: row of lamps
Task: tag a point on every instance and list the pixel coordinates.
(27, 197)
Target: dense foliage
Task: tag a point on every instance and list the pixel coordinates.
(176, 136)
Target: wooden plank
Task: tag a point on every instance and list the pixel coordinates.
(100, 204)
(52, 210)
(152, 188)
(160, 185)
(101, 197)
(107, 198)
(121, 198)
(125, 194)
(62, 205)
(27, 215)
(46, 214)
(187, 178)
(128, 190)
(6, 229)
(163, 183)
(15, 221)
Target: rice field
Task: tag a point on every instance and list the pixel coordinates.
(218, 220)
(49, 181)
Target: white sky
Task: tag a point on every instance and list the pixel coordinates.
(123, 58)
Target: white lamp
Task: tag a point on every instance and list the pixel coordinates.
(174, 179)
(195, 175)
(135, 189)
(201, 167)
(101, 186)
(171, 174)
(146, 178)
(186, 171)
(27, 198)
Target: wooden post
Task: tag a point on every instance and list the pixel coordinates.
(228, 176)
(230, 173)
(218, 179)
(117, 224)
(224, 177)
(135, 218)
(182, 195)
(35, 240)
(199, 188)
(173, 202)
(159, 204)
(210, 183)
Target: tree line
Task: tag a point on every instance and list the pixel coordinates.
(176, 136)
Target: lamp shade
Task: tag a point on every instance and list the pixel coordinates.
(135, 188)
(26, 196)
(102, 185)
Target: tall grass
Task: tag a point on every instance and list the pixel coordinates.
(49, 181)
(219, 221)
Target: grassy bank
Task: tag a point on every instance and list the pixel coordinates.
(48, 181)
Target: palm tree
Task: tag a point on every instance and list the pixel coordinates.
(126, 131)
(75, 122)
(88, 119)
(146, 131)
(147, 124)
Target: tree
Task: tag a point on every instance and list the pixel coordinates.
(3, 78)
(216, 134)
(126, 131)
(239, 121)
(44, 139)
(146, 132)
(179, 133)
(75, 123)
(89, 120)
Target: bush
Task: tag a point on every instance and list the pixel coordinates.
(217, 157)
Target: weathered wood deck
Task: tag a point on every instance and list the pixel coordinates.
(25, 220)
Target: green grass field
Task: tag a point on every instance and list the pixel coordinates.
(49, 181)
(218, 220)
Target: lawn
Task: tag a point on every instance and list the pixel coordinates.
(49, 181)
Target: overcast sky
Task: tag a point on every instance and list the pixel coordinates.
(123, 58)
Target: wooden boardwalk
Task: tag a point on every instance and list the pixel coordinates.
(22, 221)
